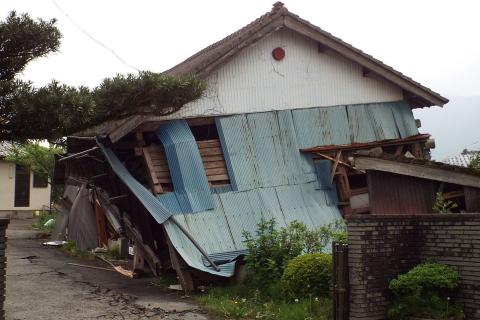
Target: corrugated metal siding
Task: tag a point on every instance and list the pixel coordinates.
(186, 166)
(236, 139)
(404, 119)
(268, 148)
(305, 78)
(391, 193)
(221, 230)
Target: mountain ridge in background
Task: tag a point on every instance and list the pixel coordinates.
(454, 127)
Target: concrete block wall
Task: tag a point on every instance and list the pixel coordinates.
(381, 247)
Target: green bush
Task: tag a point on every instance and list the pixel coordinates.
(271, 249)
(426, 277)
(425, 292)
(307, 275)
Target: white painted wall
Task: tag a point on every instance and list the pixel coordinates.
(38, 196)
(254, 82)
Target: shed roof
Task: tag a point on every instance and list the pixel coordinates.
(211, 57)
(420, 168)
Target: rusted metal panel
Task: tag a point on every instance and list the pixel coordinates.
(397, 194)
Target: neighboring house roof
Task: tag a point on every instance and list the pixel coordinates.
(462, 159)
(208, 59)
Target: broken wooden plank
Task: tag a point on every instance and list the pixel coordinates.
(180, 268)
(152, 175)
(335, 165)
(100, 220)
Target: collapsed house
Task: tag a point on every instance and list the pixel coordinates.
(286, 107)
(402, 185)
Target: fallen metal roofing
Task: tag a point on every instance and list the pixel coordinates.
(189, 179)
(148, 200)
(270, 177)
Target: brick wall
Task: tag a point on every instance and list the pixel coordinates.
(381, 247)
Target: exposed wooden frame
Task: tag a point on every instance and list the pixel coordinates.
(369, 145)
(182, 270)
(335, 165)
(419, 171)
(152, 175)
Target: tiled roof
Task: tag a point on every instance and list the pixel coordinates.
(462, 159)
(204, 61)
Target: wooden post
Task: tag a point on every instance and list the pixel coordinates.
(340, 281)
(180, 268)
(100, 219)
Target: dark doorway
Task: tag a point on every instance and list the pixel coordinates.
(22, 187)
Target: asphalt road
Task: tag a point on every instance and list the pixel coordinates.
(41, 285)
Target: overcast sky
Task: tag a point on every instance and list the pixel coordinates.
(434, 42)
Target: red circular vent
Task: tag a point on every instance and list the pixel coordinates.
(278, 54)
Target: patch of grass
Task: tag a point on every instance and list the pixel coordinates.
(71, 249)
(43, 218)
(113, 253)
(242, 302)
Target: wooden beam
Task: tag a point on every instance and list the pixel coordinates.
(369, 145)
(335, 165)
(152, 175)
(321, 48)
(125, 128)
(100, 219)
(419, 171)
(180, 268)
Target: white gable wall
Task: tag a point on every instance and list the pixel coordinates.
(254, 82)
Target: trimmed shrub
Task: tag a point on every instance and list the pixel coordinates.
(425, 277)
(306, 276)
(425, 291)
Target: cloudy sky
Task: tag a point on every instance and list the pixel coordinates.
(433, 41)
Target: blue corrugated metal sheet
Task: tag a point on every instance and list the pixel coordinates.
(236, 139)
(148, 200)
(220, 230)
(267, 147)
(403, 118)
(186, 167)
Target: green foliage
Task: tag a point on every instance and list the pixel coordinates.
(443, 205)
(148, 92)
(70, 248)
(245, 302)
(424, 291)
(57, 110)
(271, 249)
(475, 161)
(23, 39)
(43, 218)
(425, 306)
(307, 275)
(34, 156)
(428, 276)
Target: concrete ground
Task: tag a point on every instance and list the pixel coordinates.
(41, 285)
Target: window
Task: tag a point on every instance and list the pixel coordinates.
(40, 180)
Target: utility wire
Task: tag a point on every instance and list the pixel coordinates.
(93, 38)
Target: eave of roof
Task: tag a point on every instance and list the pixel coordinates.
(420, 168)
(205, 61)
